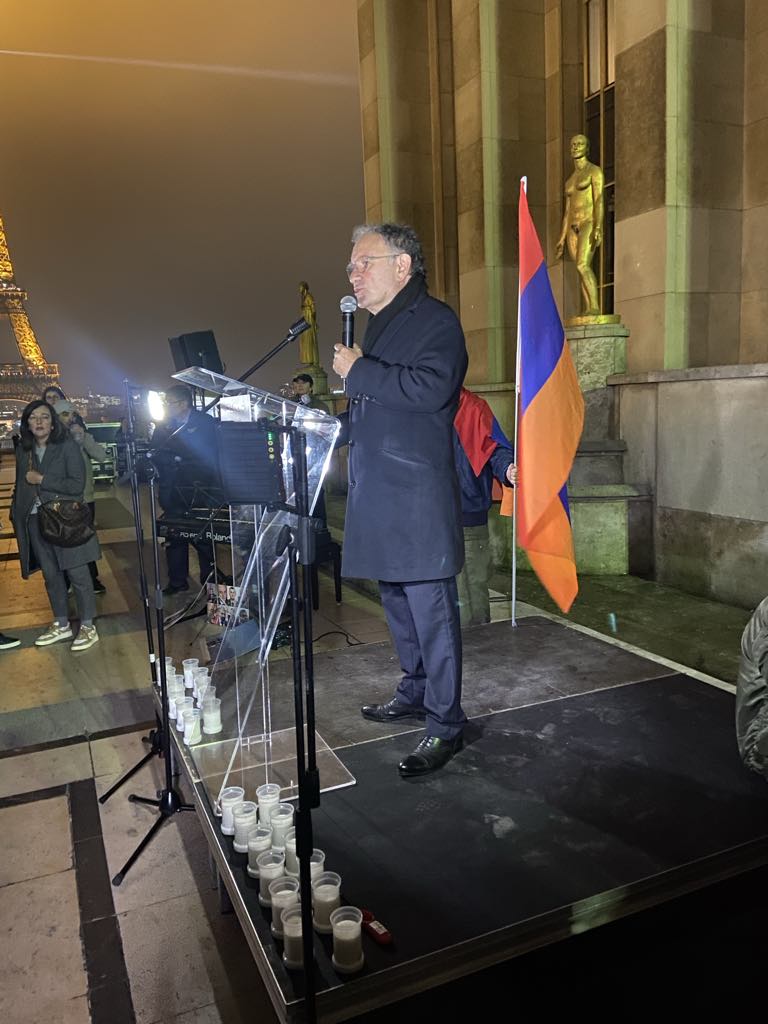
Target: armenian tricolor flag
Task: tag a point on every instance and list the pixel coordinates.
(551, 420)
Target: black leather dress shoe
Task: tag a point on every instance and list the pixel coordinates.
(391, 711)
(432, 753)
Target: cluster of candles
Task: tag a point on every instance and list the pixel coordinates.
(264, 830)
(192, 700)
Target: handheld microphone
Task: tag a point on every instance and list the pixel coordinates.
(348, 305)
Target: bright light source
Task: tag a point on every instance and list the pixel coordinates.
(156, 406)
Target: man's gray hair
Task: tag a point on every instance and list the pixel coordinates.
(399, 238)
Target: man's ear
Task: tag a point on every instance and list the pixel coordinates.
(404, 263)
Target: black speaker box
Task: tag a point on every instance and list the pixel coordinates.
(196, 349)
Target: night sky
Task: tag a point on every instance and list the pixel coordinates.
(177, 165)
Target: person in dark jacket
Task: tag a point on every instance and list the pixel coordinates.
(483, 454)
(403, 522)
(752, 693)
(49, 465)
(185, 455)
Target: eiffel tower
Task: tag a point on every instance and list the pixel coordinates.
(24, 380)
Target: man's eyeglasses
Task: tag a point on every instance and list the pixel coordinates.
(361, 265)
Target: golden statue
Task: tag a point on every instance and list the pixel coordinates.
(583, 222)
(309, 353)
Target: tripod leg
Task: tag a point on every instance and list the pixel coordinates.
(131, 771)
(137, 852)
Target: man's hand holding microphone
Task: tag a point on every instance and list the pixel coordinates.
(346, 353)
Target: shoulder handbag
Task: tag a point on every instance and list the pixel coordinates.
(64, 522)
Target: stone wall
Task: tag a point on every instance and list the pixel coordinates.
(696, 438)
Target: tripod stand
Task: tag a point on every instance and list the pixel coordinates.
(155, 735)
(169, 801)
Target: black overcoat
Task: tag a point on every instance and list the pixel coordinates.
(63, 476)
(403, 520)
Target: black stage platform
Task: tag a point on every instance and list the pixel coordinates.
(595, 783)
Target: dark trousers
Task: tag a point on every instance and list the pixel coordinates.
(177, 554)
(423, 619)
(55, 582)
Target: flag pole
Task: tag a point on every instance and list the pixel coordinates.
(524, 183)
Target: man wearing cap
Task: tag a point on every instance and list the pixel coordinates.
(303, 392)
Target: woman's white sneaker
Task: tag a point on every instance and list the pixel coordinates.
(86, 637)
(54, 634)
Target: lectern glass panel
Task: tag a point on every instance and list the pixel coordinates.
(254, 742)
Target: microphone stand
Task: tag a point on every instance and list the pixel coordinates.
(169, 801)
(294, 331)
(155, 735)
(300, 544)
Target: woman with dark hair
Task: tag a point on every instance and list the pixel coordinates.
(49, 464)
(53, 394)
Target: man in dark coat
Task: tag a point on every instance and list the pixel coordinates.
(185, 454)
(403, 524)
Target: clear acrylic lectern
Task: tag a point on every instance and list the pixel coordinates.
(248, 751)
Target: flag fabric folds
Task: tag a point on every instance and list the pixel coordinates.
(551, 418)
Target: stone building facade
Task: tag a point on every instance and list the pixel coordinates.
(460, 98)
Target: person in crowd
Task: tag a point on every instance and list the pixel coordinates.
(483, 454)
(403, 521)
(91, 451)
(752, 693)
(303, 392)
(49, 464)
(184, 451)
(53, 394)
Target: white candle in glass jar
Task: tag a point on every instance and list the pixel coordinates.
(228, 800)
(189, 665)
(192, 721)
(346, 923)
(293, 948)
(271, 865)
(244, 817)
(211, 714)
(281, 819)
(182, 704)
(268, 796)
(283, 893)
(259, 840)
(326, 897)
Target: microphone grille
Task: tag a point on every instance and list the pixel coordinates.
(348, 304)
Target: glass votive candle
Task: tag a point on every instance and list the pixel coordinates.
(283, 893)
(205, 689)
(316, 864)
(174, 694)
(268, 796)
(291, 861)
(229, 798)
(244, 818)
(200, 678)
(192, 722)
(326, 897)
(182, 704)
(293, 949)
(271, 865)
(346, 924)
(259, 840)
(212, 715)
(189, 665)
(281, 819)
